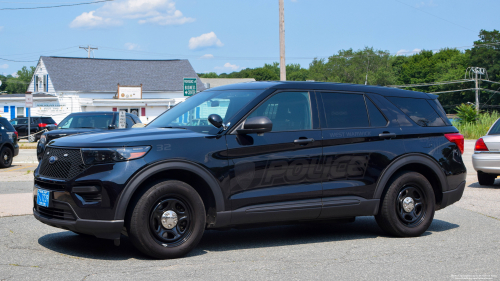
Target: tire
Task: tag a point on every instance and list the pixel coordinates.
(6, 156)
(153, 237)
(394, 219)
(486, 179)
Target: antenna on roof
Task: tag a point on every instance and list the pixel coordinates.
(88, 49)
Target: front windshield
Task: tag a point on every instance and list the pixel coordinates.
(192, 114)
(98, 121)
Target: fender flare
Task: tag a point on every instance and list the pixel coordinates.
(412, 158)
(143, 175)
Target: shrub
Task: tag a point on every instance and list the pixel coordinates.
(466, 113)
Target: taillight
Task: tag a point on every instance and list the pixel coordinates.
(458, 139)
(42, 125)
(17, 134)
(480, 145)
(55, 124)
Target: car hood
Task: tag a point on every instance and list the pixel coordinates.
(123, 137)
(54, 134)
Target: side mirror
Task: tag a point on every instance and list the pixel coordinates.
(256, 125)
(215, 120)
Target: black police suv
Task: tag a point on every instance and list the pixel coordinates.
(274, 152)
(8, 143)
(85, 122)
(37, 124)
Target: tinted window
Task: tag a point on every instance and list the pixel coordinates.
(440, 110)
(136, 119)
(48, 120)
(419, 110)
(4, 123)
(289, 111)
(100, 121)
(17, 121)
(377, 119)
(345, 110)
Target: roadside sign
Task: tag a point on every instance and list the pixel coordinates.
(189, 86)
(29, 100)
(122, 122)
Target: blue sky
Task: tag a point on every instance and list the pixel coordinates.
(224, 35)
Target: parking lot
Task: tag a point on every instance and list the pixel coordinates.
(463, 243)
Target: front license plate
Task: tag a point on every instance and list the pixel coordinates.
(42, 197)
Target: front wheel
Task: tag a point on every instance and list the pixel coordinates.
(168, 220)
(486, 179)
(408, 206)
(6, 156)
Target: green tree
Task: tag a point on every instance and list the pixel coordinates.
(19, 84)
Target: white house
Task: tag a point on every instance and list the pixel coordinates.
(63, 85)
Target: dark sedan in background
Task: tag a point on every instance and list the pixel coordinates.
(85, 122)
(37, 124)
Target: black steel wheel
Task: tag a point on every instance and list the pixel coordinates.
(407, 206)
(6, 156)
(166, 220)
(411, 205)
(170, 221)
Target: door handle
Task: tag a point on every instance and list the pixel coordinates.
(387, 135)
(303, 141)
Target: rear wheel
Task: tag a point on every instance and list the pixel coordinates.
(168, 220)
(6, 156)
(408, 206)
(486, 179)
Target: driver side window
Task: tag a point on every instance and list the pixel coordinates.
(289, 111)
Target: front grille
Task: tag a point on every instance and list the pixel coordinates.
(60, 211)
(68, 165)
(49, 186)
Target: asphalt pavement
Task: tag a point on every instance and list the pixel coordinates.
(462, 243)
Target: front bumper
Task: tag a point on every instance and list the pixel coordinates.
(486, 162)
(98, 228)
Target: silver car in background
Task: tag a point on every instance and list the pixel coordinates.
(486, 157)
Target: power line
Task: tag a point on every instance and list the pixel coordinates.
(58, 6)
(434, 15)
(18, 60)
(431, 84)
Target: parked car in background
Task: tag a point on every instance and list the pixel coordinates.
(486, 157)
(8, 143)
(37, 124)
(85, 122)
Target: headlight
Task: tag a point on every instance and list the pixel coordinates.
(43, 139)
(108, 155)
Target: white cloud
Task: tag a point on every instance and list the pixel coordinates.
(228, 66)
(207, 56)
(4, 66)
(205, 40)
(90, 20)
(132, 46)
(15, 75)
(404, 52)
(162, 12)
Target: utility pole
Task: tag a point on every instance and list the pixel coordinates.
(282, 42)
(88, 49)
(477, 93)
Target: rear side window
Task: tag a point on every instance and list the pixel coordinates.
(377, 119)
(495, 129)
(4, 123)
(419, 110)
(345, 110)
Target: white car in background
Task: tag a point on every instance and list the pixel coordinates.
(486, 157)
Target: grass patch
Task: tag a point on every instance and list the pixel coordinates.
(475, 130)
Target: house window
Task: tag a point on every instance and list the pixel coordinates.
(20, 112)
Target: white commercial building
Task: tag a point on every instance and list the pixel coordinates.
(64, 85)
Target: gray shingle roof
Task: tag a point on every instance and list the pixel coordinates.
(93, 75)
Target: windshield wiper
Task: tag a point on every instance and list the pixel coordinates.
(170, 127)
